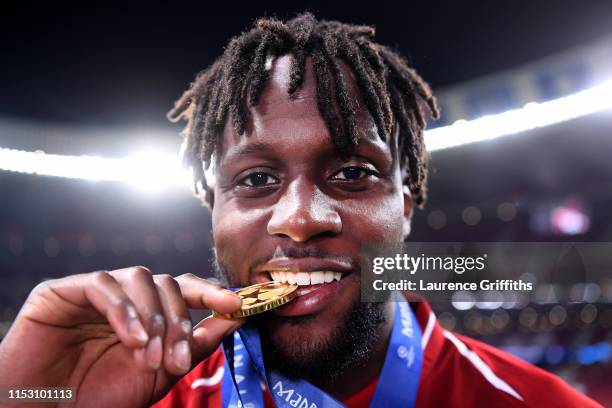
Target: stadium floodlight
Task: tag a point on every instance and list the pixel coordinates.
(156, 170)
(532, 115)
(149, 170)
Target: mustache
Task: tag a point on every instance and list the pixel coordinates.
(299, 253)
(231, 278)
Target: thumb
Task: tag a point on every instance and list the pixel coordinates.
(209, 333)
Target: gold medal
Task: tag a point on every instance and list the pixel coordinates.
(260, 298)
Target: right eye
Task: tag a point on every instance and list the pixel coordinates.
(258, 179)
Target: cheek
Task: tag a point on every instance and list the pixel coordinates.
(235, 234)
(376, 220)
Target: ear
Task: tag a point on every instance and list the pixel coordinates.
(408, 211)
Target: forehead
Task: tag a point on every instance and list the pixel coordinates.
(283, 121)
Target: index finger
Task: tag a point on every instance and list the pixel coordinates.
(200, 293)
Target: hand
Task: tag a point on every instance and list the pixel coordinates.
(120, 338)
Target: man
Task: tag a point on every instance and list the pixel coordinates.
(306, 140)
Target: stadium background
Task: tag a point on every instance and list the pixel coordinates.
(98, 81)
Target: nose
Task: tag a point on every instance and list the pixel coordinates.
(304, 212)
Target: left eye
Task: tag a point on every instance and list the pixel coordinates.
(258, 179)
(353, 173)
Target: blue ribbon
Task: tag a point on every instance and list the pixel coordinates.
(397, 384)
(240, 386)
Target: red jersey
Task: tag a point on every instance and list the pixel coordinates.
(457, 372)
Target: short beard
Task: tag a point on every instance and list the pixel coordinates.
(349, 345)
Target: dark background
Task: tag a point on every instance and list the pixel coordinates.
(126, 63)
(113, 66)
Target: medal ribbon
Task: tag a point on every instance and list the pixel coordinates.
(397, 384)
(240, 386)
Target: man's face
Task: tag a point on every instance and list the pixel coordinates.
(285, 201)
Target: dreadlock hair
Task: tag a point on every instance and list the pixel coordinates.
(392, 91)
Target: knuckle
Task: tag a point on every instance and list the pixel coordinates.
(141, 269)
(137, 272)
(186, 327)
(168, 282)
(186, 276)
(157, 323)
(165, 279)
(181, 326)
(122, 307)
(101, 277)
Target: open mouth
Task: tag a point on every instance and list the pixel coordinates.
(319, 280)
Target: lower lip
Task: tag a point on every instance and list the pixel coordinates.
(314, 301)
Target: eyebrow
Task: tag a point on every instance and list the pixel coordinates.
(246, 150)
(255, 148)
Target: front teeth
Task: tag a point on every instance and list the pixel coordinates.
(306, 278)
(317, 278)
(303, 278)
(291, 277)
(329, 276)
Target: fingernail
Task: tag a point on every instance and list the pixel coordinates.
(182, 355)
(154, 352)
(137, 331)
